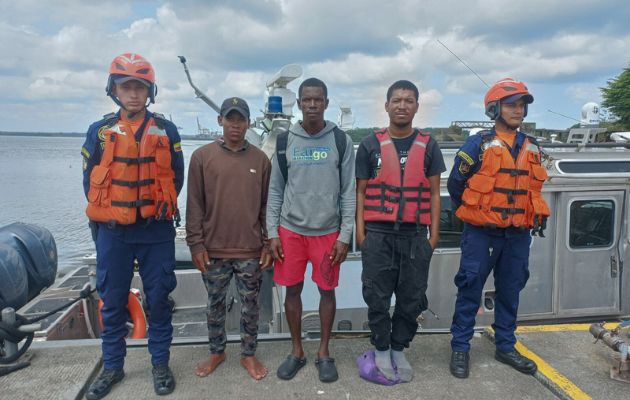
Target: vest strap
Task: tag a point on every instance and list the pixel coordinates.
(388, 210)
(514, 171)
(139, 160)
(396, 199)
(506, 210)
(510, 193)
(132, 204)
(397, 189)
(132, 184)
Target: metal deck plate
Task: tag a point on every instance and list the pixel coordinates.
(54, 373)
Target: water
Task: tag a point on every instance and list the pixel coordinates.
(41, 183)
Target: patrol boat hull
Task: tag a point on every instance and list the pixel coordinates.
(576, 270)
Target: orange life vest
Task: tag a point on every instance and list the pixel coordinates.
(131, 177)
(389, 199)
(505, 192)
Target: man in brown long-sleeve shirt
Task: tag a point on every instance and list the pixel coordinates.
(225, 230)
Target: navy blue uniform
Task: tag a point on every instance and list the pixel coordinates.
(506, 250)
(117, 247)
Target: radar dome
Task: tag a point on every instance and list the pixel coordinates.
(590, 115)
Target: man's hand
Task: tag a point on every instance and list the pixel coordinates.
(275, 247)
(360, 238)
(201, 260)
(265, 259)
(339, 252)
(433, 241)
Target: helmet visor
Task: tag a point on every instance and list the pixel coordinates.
(527, 98)
(123, 79)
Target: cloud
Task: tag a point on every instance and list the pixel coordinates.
(244, 84)
(58, 53)
(584, 93)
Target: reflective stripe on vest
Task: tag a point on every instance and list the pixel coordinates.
(505, 192)
(386, 198)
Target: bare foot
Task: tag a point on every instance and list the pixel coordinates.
(254, 367)
(207, 366)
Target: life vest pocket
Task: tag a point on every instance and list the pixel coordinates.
(539, 175)
(539, 205)
(168, 197)
(533, 157)
(479, 190)
(100, 183)
(162, 191)
(163, 155)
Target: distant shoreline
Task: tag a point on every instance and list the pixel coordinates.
(72, 134)
(43, 134)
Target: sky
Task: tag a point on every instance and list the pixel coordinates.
(56, 54)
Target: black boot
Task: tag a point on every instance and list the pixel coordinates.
(163, 379)
(515, 360)
(459, 364)
(103, 383)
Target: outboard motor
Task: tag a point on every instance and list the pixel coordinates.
(28, 263)
(13, 278)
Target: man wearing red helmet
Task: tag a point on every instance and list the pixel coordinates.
(133, 170)
(496, 185)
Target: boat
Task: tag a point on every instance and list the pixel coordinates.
(576, 270)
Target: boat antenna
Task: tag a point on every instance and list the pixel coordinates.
(198, 92)
(462, 61)
(562, 115)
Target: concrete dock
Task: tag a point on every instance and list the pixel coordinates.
(571, 366)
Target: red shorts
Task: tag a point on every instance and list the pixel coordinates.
(298, 250)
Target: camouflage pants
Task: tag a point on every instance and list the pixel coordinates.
(217, 279)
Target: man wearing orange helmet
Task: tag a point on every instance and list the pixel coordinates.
(133, 170)
(496, 185)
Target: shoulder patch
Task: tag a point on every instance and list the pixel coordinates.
(464, 168)
(85, 152)
(101, 132)
(177, 146)
(464, 156)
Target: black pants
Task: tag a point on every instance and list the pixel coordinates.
(394, 264)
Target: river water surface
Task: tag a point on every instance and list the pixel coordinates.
(41, 183)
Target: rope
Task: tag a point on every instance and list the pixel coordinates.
(12, 334)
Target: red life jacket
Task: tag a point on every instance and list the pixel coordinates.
(386, 197)
(506, 192)
(131, 177)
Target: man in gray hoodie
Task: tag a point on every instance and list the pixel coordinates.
(310, 216)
